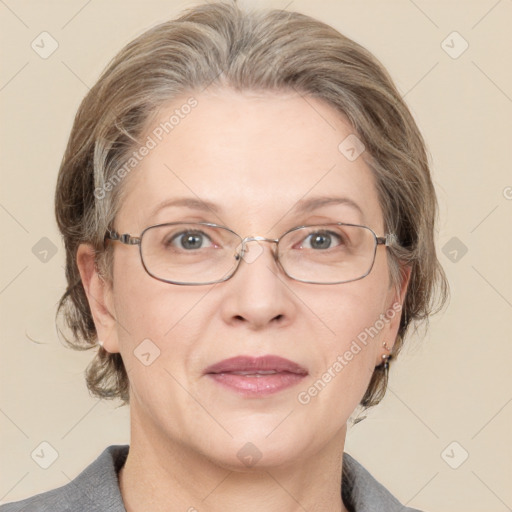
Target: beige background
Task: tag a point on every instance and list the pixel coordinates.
(453, 385)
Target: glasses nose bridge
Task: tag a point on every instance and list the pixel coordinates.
(259, 239)
(247, 239)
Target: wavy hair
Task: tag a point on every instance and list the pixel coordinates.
(220, 44)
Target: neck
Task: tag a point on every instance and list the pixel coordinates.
(163, 475)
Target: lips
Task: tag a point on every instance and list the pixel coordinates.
(245, 365)
(256, 376)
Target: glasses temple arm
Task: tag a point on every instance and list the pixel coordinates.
(124, 238)
(389, 240)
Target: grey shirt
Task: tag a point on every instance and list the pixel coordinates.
(96, 489)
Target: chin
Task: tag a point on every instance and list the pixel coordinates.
(246, 456)
(257, 448)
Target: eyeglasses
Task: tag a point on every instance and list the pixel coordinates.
(204, 253)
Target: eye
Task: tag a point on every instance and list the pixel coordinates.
(190, 240)
(321, 240)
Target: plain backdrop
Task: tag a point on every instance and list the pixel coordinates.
(440, 441)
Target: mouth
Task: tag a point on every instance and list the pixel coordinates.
(256, 376)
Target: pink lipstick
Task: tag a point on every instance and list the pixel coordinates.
(256, 376)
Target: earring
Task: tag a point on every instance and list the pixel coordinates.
(386, 358)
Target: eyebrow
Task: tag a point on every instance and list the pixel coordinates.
(188, 202)
(302, 206)
(311, 204)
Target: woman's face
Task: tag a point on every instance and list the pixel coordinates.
(258, 162)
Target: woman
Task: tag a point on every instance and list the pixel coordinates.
(248, 215)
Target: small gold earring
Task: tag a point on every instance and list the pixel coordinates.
(386, 358)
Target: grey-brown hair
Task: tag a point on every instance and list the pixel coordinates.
(220, 44)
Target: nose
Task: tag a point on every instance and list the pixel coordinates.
(258, 294)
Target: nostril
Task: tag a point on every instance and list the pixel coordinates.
(243, 319)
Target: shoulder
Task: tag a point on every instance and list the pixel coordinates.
(363, 493)
(95, 489)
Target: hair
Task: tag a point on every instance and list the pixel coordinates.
(219, 44)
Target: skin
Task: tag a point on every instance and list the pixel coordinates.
(255, 156)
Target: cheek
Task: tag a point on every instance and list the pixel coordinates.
(159, 327)
(158, 318)
(350, 342)
(353, 308)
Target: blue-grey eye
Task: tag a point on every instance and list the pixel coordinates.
(321, 240)
(191, 240)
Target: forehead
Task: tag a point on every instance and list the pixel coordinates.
(253, 160)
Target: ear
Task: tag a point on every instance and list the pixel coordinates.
(99, 296)
(393, 313)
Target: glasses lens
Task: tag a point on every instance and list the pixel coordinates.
(189, 253)
(328, 254)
